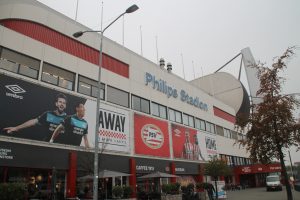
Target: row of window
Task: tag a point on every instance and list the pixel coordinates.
(30, 67)
(235, 160)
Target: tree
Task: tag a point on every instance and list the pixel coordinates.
(271, 125)
(215, 168)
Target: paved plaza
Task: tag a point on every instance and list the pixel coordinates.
(260, 194)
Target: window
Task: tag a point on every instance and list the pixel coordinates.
(188, 120)
(220, 130)
(19, 63)
(200, 124)
(159, 110)
(191, 121)
(175, 115)
(210, 127)
(234, 135)
(172, 115)
(185, 119)
(248, 161)
(90, 87)
(140, 104)
(117, 96)
(227, 133)
(178, 117)
(56, 76)
(230, 160)
(238, 161)
(234, 160)
(240, 136)
(243, 161)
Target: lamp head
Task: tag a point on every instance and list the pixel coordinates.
(78, 34)
(132, 9)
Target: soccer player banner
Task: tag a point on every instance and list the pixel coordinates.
(185, 143)
(33, 112)
(151, 136)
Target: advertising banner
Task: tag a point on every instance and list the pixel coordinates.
(257, 168)
(221, 189)
(208, 145)
(32, 111)
(186, 144)
(151, 136)
(114, 128)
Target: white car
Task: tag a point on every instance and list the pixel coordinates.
(273, 183)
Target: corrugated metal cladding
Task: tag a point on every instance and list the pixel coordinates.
(64, 43)
(224, 115)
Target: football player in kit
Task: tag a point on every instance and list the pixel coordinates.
(49, 119)
(72, 129)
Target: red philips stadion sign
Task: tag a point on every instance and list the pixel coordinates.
(151, 136)
(258, 168)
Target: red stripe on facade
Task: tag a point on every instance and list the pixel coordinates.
(64, 43)
(224, 115)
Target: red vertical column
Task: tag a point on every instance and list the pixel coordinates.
(5, 172)
(71, 176)
(132, 178)
(200, 177)
(172, 170)
(222, 178)
(237, 178)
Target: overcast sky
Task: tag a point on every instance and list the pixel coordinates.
(207, 33)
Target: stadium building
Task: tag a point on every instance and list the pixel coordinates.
(150, 119)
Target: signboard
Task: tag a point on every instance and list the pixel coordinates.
(144, 165)
(151, 136)
(257, 168)
(162, 86)
(114, 128)
(208, 145)
(221, 189)
(34, 112)
(186, 144)
(23, 155)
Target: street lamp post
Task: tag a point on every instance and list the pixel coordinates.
(131, 9)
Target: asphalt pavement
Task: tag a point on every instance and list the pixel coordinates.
(260, 194)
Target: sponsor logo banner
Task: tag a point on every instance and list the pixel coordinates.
(14, 91)
(114, 128)
(151, 136)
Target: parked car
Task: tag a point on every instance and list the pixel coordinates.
(273, 183)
